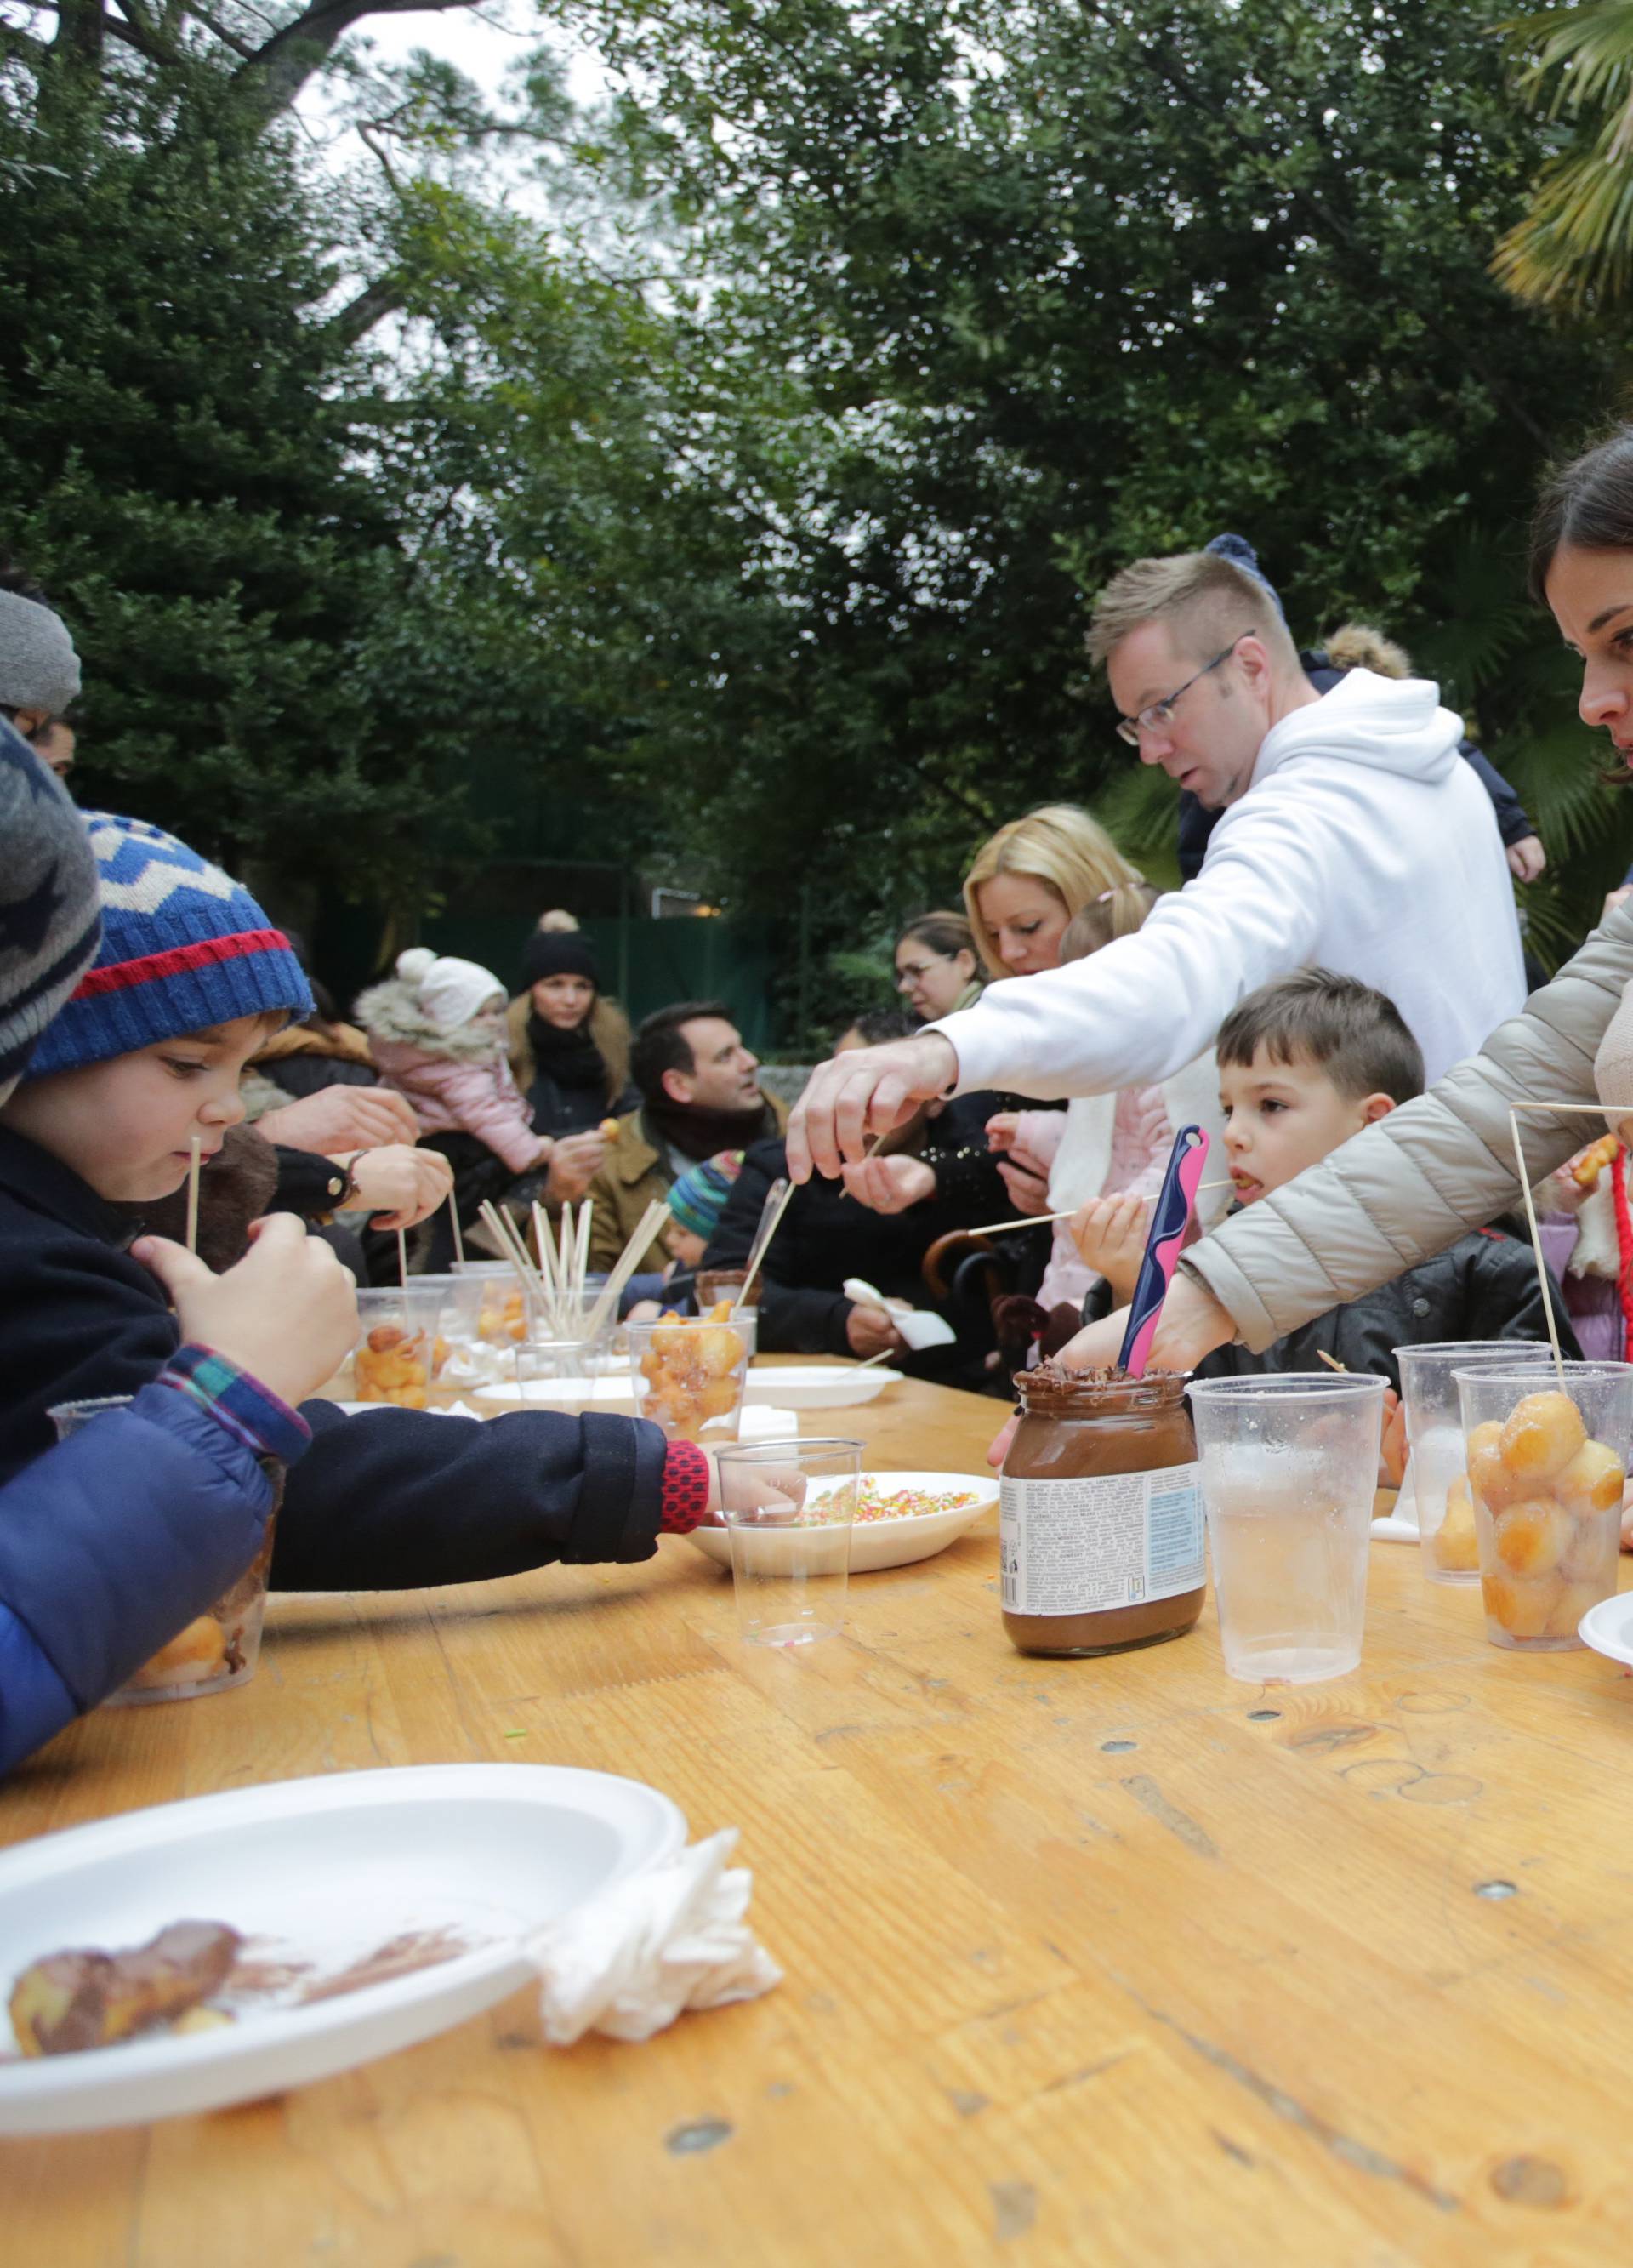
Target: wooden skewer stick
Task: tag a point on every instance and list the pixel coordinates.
(193, 1151)
(1545, 1110)
(883, 1355)
(453, 1222)
(777, 1206)
(1331, 1361)
(1042, 1220)
(503, 1230)
(628, 1260)
(402, 1260)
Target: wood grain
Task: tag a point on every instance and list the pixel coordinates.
(1087, 1961)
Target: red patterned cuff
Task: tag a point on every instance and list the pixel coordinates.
(684, 1490)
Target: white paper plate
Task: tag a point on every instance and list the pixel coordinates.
(1608, 1629)
(818, 1385)
(322, 1872)
(891, 1543)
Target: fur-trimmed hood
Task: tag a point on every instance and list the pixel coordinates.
(392, 1013)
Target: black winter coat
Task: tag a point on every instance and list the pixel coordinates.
(1484, 1286)
(389, 1500)
(827, 1235)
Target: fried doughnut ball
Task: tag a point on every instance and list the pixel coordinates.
(1531, 1537)
(1591, 1555)
(1454, 1544)
(1489, 1477)
(1520, 1608)
(1573, 1603)
(1542, 1435)
(1591, 1482)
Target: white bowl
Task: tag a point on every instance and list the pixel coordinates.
(878, 1544)
(322, 1872)
(819, 1385)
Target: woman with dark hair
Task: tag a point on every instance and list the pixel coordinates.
(1401, 1192)
(938, 967)
(570, 1054)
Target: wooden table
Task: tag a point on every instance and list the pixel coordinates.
(1087, 1961)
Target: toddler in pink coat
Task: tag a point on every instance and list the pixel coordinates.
(436, 1031)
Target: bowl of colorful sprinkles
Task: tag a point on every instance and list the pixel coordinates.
(899, 1517)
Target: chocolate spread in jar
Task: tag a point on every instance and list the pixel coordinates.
(1100, 1521)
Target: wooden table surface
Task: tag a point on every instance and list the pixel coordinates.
(1087, 1961)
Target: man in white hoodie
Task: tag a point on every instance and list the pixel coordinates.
(1354, 836)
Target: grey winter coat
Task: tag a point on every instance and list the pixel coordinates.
(1410, 1186)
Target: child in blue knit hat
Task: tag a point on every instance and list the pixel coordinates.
(144, 1057)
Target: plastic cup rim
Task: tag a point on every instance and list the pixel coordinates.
(1274, 1386)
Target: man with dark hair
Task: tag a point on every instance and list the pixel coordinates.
(700, 1095)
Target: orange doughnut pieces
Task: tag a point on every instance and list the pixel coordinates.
(693, 1374)
(1521, 1609)
(1591, 1482)
(1488, 1475)
(392, 1366)
(1454, 1544)
(1543, 1434)
(1532, 1536)
(717, 1352)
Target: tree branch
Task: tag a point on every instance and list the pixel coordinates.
(280, 67)
(371, 306)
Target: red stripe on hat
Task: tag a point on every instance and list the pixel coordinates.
(208, 952)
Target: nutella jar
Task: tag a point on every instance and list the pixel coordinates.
(1101, 1519)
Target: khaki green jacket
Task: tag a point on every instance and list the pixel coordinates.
(637, 1173)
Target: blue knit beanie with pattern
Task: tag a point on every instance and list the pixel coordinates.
(184, 946)
(697, 1199)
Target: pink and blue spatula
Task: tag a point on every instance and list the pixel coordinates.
(1170, 1220)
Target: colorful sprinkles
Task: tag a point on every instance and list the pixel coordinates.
(873, 1502)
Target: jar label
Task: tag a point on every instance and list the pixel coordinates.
(1078, 1546)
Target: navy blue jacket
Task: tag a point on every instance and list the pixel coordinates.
(390, 1500)
(110, 1544)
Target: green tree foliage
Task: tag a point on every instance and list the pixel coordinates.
(1573, 245)
(176, 467)
(1055, 285)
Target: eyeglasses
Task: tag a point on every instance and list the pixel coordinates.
(1160, 713)
(911, 971)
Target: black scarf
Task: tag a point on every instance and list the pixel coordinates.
(700, 1134)
(568, 1059)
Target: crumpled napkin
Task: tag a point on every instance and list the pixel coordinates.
(919, 1327)
(675, 1937)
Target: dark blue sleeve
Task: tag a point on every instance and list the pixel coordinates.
(112, 1541)
(1512, 821)
(390, 1500)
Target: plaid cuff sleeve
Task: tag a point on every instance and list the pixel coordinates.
(250, 1412)
(684, 1498)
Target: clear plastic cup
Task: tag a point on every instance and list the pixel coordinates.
(1439, 1470)
(217, 1649)
(688, 1376)
(552, 1360)
(1547, 1454)
(1288, 1465)
(395, 1358)
(790, 1506)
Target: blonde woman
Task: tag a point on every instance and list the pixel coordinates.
(1031, 878)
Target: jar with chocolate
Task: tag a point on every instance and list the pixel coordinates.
(1101, 1519)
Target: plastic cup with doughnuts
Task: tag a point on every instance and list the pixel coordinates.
(1548, 1452)
(396, 1357)
(217, 1649)
(1439, 1471)
(689, 1371)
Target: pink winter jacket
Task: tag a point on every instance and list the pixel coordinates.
(459, 1081)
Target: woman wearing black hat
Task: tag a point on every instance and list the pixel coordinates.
(569, 1051)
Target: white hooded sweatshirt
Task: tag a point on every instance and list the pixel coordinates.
(1365, 844)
